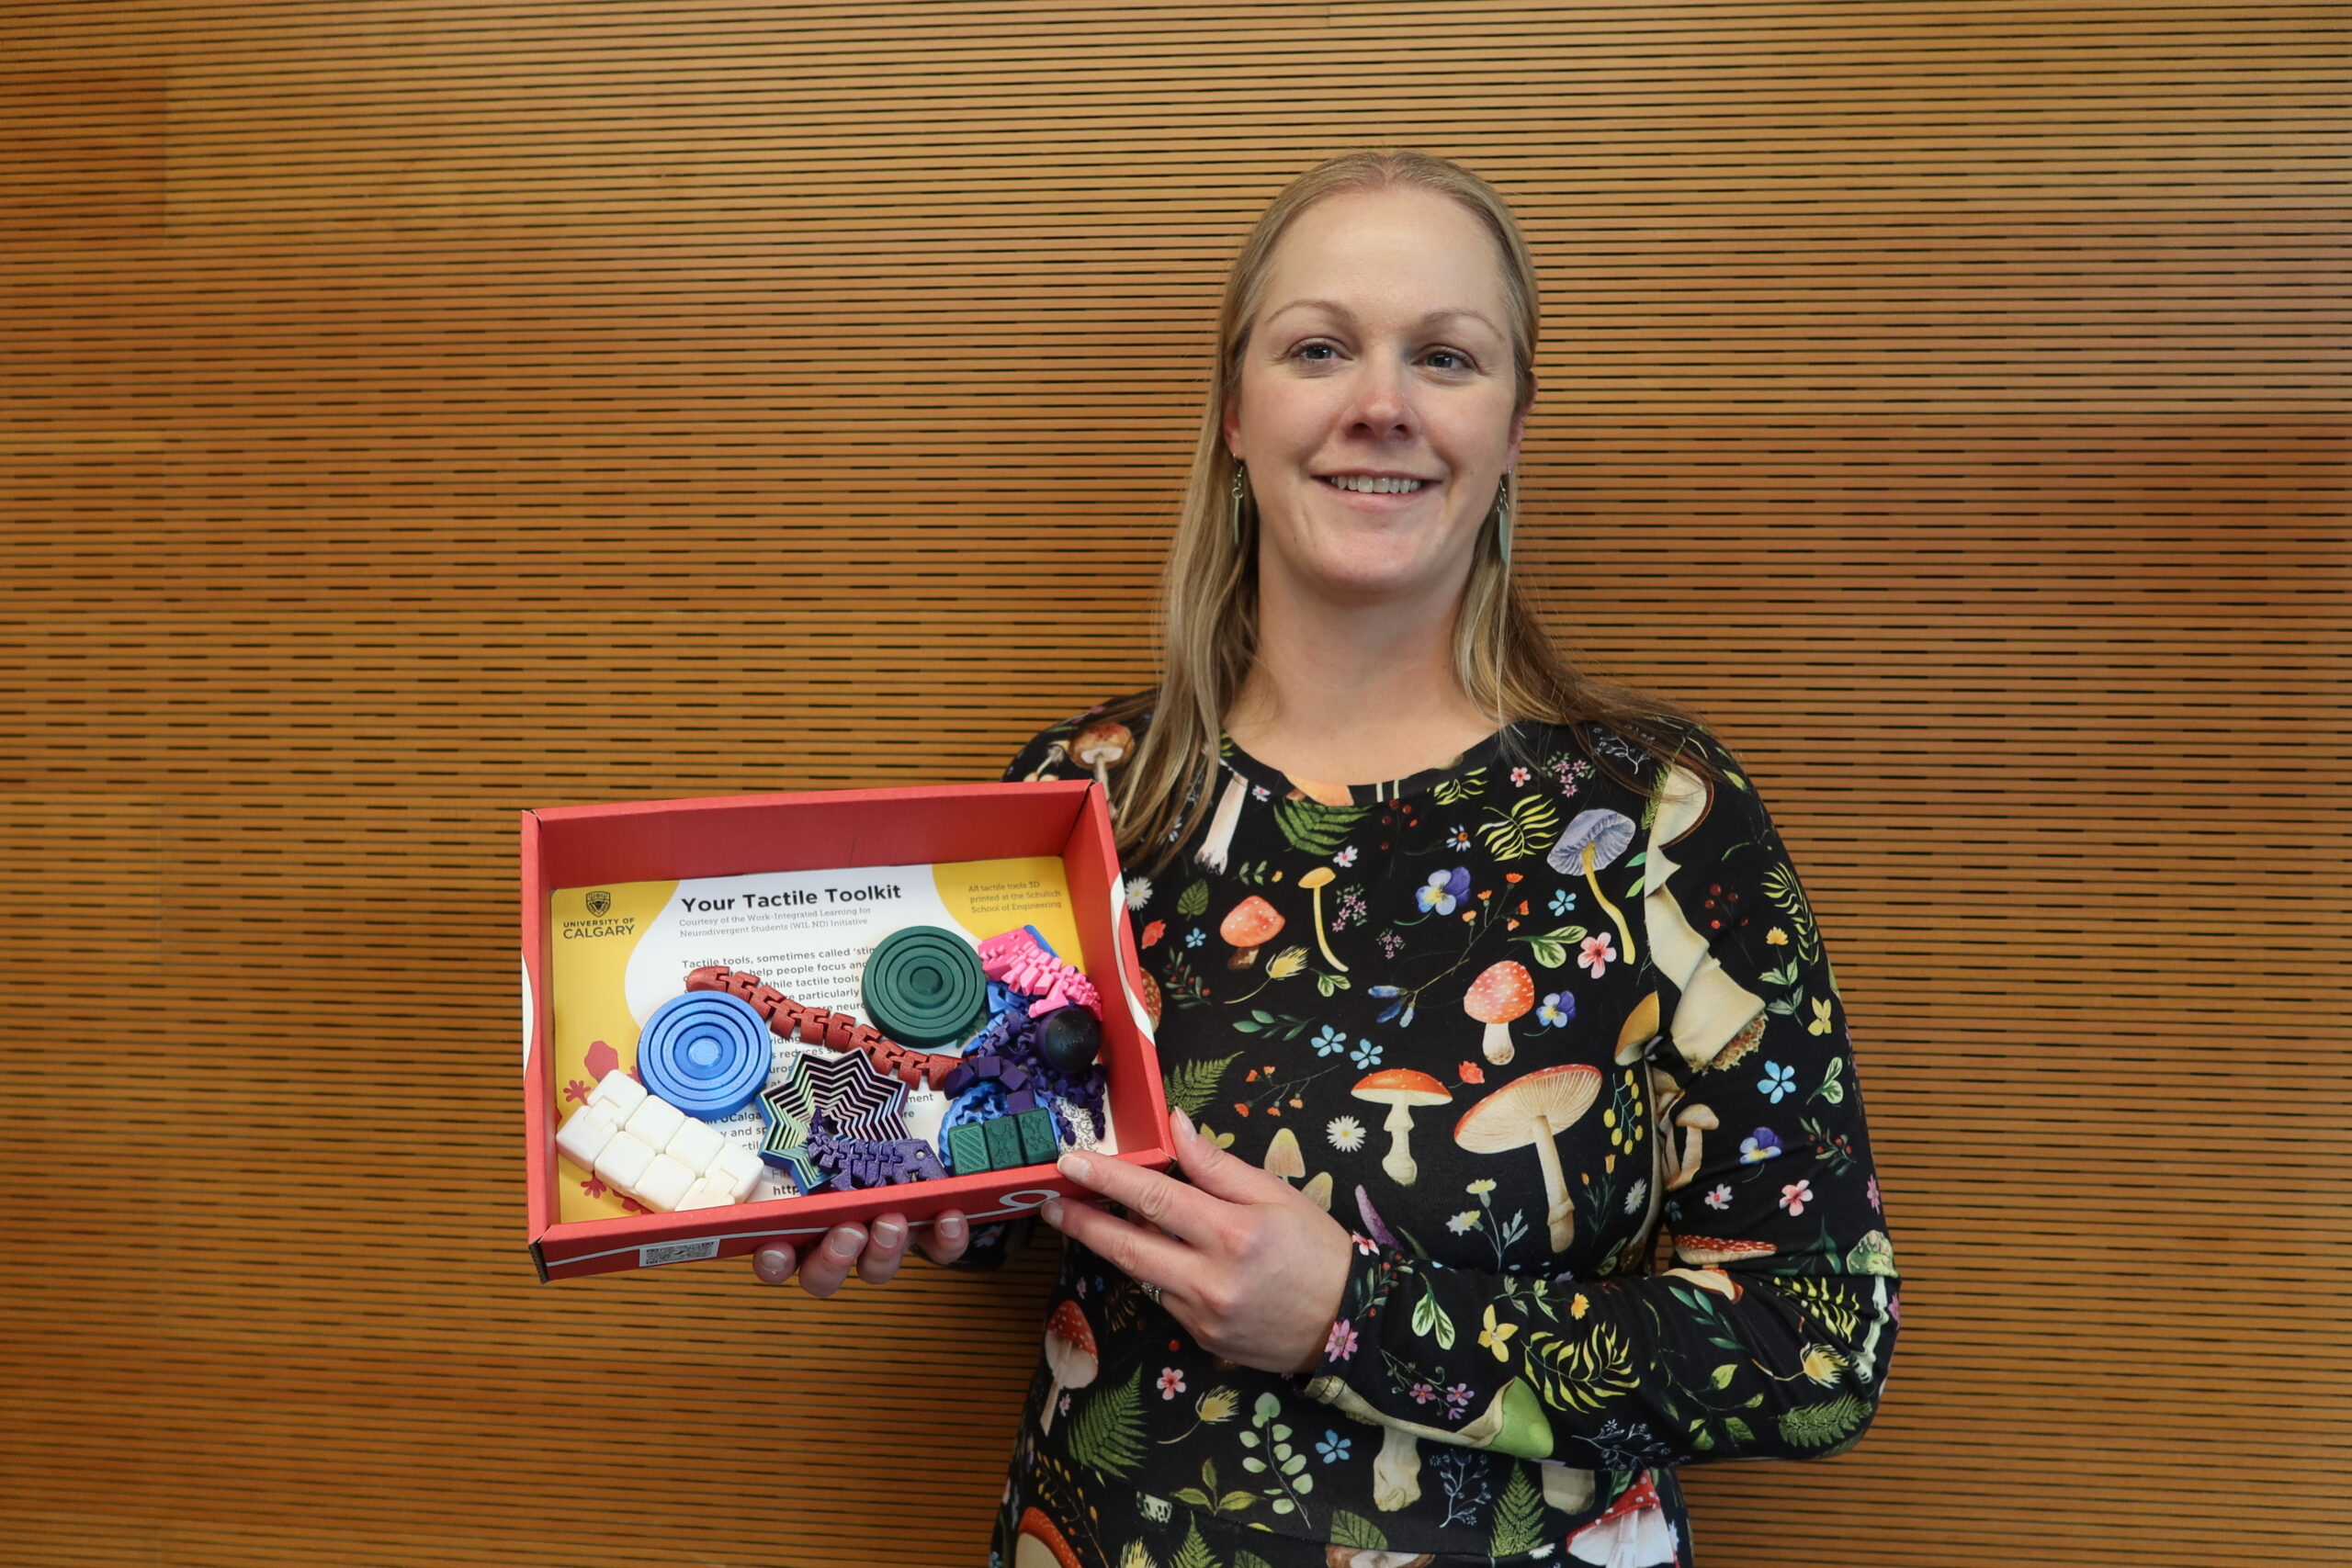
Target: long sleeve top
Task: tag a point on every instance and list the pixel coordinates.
(1569, 1062)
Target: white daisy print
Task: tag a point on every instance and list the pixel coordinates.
(1346, 1134)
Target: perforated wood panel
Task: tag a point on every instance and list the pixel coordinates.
(416, 411)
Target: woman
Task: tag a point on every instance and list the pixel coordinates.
(1459, 1038)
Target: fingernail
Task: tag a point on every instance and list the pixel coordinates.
(889, 1232)
(951, 1227)
(844, 1247)
(1184, 1123)
(1052, 1212)
(1073, 1164)
(773, 1265)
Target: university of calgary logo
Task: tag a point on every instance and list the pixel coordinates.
(600, 903)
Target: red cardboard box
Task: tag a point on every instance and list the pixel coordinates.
(582, 846)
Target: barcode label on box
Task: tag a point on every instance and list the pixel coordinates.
(677, 1252)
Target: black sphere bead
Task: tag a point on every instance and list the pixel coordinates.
(1069, 1038)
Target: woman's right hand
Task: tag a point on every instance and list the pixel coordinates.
(874, 1254)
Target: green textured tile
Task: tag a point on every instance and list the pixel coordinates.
(1004, 1143)
(967, 1148)
(1038, 1146)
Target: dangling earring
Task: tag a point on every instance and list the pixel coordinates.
(1240, 470)
(1502, 521)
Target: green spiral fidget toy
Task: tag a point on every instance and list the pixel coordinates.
(924, 986)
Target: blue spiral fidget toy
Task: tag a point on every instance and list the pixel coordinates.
(707, 1053)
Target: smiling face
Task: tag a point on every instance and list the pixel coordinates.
(1375, 409)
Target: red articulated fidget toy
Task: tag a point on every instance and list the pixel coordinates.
(818, 1026)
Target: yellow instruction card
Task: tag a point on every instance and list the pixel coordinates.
(624, 949)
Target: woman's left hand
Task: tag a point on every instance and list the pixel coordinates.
(1246, 1262)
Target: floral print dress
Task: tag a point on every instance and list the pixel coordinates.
(1507, 1020)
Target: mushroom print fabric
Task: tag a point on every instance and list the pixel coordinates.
(1508, 1020)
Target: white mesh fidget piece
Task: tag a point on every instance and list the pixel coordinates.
(641, 1144)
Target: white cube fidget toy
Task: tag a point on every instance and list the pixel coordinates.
(656, 1120)
(624, 1160)
(707, 1193)
(648, 1149)
(620, 1091)
(584, 1136)
(695, 1144)
(737, 1170)
(665, 1184)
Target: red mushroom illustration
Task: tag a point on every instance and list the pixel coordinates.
(1696, 1258)
(1070, 1354)
(1595, 838)
(1632, 1530)
(1038, 1544)
(1713, 1280)
(1099, 745)
(1535, 1109)
(1252, 923)
(1504, 992)
(1400, 1089)
(1704, 1250)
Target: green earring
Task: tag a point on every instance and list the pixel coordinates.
(1240, 470)
(1502, 520)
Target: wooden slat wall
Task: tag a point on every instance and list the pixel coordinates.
(422, 408)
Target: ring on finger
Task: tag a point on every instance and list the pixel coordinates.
(1148, 1289)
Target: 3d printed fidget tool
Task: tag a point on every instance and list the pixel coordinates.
(923, 986)
(789, 1112)
(707, 1053)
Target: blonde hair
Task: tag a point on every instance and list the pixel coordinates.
(1503, 657)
